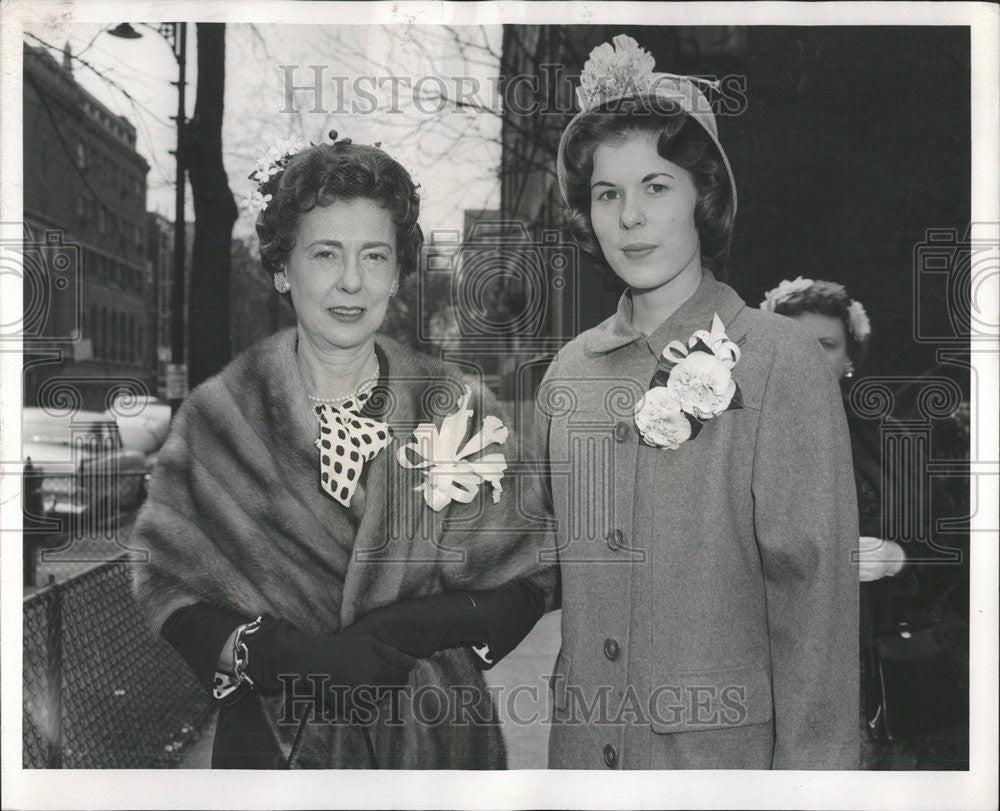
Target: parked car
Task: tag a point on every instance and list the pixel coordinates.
(143, 424)
(82, 462)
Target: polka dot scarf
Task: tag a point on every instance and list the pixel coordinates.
(346, 441)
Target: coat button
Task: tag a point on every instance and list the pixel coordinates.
(611, 648)
(622, 431)
(616, 539)
(610, 756)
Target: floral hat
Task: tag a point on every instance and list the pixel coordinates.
(622, 70)
(791, 289)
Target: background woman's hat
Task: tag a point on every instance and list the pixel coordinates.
(622, 70)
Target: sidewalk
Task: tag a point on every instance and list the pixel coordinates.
(524, 714)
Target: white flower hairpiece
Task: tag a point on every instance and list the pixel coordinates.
(271, 163)
(256, 201)
(858, 323)
(274, 161)
(784, 291)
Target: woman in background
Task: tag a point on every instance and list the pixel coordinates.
(888, 591)
(842, 328)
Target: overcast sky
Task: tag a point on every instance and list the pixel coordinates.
(452, 154)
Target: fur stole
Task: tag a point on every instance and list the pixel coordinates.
(235, 516)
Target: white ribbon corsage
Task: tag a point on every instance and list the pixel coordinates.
(451, 475)
(693, 384)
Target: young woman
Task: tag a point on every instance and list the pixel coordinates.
(700, 469)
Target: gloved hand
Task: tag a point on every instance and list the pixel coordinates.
(879, 559)
(349, 659)
(499, 618)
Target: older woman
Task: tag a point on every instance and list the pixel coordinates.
(701, 469)
(327, 472)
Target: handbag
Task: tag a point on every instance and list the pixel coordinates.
(915, 686)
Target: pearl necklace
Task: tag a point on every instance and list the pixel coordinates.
(364, 388)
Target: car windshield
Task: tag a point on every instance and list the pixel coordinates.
(87, 433)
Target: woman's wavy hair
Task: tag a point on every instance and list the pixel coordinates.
(680, 140)
(326, 173)
(829, 299)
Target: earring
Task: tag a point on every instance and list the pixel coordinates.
(281, 282)
(394, 289)
(849, 368)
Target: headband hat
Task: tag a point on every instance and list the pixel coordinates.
(623, 70)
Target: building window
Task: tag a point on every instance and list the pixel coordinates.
(123, 336)
(102, 327)
(81, 155)
(101, 219)
(108, 329)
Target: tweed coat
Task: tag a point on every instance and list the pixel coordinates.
(235, 517)
(710, 604)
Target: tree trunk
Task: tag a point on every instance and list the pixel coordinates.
(214, 212)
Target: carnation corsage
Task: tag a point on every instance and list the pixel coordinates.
(693, 384)
(441, 454)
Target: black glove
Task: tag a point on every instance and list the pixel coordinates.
(198, 632)
(499, 618)
(349, 659)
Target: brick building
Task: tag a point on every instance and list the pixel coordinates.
(88, 284)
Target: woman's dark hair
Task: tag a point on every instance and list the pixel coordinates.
(323, 174)
(829, 299)
(680, 140)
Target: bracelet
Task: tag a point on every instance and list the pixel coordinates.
(241, 656)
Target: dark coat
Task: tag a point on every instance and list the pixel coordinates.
(708, 594)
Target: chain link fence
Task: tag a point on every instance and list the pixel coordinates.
(100, 690)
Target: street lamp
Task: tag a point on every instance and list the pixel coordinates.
(176, 36)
